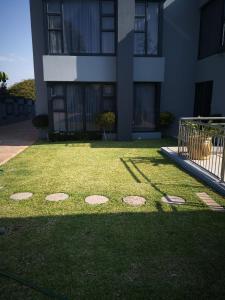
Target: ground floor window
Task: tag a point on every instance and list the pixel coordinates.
(74, 107)
(145, 107)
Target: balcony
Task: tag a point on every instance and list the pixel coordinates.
(201, 150)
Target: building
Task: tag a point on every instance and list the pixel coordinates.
(135, 58)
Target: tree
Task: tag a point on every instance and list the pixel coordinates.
(3, 84)
(106, 121)
(24, 89)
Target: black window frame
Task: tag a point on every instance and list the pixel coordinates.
(159, 46)
(157, 106)
(83, 85)
(222, 36)
(102, 30)
(52, 98)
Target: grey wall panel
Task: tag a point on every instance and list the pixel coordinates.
(125, 46)
(37, 27)
(149, 69)
(180, 49)
(79, 68)
(213, 68)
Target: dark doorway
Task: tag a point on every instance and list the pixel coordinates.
(203, 99)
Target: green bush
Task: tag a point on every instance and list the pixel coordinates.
(24, 89)
(106, 121)
(166, 119)
(41, 121)
(3, 84)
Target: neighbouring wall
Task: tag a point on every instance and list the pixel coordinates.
(15, 109)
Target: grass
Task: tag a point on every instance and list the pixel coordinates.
(112, 251)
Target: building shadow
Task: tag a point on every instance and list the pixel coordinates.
(116, 255)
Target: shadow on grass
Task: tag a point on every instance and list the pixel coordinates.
(121, 255)
(113, 144)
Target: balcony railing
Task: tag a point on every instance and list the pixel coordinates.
(202, 141)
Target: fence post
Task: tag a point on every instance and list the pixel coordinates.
(179, 137)
(223, 163)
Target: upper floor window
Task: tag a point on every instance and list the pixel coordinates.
(146, 28)
(212, 28)
(81, 27)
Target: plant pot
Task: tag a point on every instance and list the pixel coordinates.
(199, 147)
(108, 136)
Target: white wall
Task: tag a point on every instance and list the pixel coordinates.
(99, 68)
(79, 68)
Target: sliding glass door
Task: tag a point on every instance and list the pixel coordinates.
(79, 105)
(144, 107)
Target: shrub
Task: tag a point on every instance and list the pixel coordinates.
(106, 121)
(40, 121)
(166, 119)
(24, 89)
(3, 84)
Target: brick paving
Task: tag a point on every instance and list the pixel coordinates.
(210, 202)
(15, 138)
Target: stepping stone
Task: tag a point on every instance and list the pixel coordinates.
(57, 197)
(21, 196)
(210, 202)
(134, 200)
(173, 200)
(96, 199)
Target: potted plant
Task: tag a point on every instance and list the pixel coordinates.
(106, 122)
(41, 122)
(199, 140)
(165, 120)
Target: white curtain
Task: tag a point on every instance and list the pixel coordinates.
(81, 26)
(152, 28)
(75, 107)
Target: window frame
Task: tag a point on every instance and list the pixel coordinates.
(156, 105)
(83, 85)
(160, 21)
(222, 37)
(100, 53)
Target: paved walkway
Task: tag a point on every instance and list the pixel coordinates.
(15, 138)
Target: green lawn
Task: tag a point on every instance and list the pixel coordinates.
(112, 251)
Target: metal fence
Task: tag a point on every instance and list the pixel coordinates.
(202, 140)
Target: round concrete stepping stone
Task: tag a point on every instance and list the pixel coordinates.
(57, 197)
(96, 199)
(134, 200)
(173, 200)
(21, 196)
